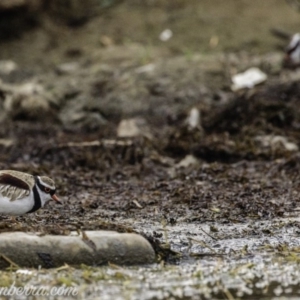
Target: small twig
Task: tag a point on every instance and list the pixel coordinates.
(203, 244)
(164, 224)
(137, 204)
(114, 266)
(208, 234)
(9, 261)
(64, 267)
(227, 294)
(88, 241)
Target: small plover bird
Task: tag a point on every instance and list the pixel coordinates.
(22, 193)
(292, 58)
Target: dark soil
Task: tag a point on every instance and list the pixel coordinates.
(100, 183)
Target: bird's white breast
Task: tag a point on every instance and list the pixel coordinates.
(16, 207)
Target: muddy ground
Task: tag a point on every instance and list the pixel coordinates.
(219, 200)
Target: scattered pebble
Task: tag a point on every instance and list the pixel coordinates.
(189, 160)
(248, 79)
(193, 119)
(276, 141)
(133, 127)
(7, 66)
(68, 68)
(145, 69)
(166, 35)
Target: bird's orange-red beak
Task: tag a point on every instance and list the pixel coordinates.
(55, 198)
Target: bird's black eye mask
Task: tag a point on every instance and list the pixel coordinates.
(52, 192)
(44, 188)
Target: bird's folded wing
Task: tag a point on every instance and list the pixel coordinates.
(13, 187)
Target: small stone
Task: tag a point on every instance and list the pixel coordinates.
(193, 119)
(145, 69)
(276, 142)
(6, 142)
(68, 68)
(82, 119)
(7, 66)
(30, 88)
(189, 160)
(166, 35)
(106, 41)
(248, 79)
(24, 272)
(133, 127)
(26, 106)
